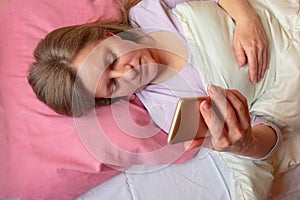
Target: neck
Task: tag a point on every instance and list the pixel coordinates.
(169, 51)
(169, 64)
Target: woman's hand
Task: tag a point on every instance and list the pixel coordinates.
(251, 46)
(250, 41)
(228, 121)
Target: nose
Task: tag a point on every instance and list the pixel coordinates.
(126, 73)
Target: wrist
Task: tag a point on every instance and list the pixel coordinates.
(264, 139)
(250, 150)
(239, 10)
(247, 17)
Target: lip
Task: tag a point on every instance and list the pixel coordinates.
(140, 73)
(140, 69)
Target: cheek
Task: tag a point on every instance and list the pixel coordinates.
(150, 72)
(125, 89)
(153, 71)
(100, 90)
(127, 48)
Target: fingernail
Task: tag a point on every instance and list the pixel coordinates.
(208, 86)
(254, 80)
(262, 75)
(205, 105)
(213, 89)
(240, 63)
(187, 145)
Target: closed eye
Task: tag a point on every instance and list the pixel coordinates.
(114, 86)
(111, 60)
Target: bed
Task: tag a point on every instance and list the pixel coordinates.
(44, 155)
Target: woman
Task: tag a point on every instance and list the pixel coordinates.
(135, 65)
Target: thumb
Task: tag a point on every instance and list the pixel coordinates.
(211, 120)
(205, 109)
(188, 145)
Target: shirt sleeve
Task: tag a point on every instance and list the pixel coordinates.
(153, 14)
(255, 120)
(173, 3)
(156, 14)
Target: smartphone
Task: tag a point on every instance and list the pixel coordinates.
(187, 123)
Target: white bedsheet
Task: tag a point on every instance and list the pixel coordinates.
(184, 181)
(176, 182)
(207, 176)
(287, 185)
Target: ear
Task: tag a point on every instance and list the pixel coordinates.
(108, 34)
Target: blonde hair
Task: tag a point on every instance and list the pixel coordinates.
(52, 75)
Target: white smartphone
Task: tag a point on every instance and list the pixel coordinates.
(187, 123)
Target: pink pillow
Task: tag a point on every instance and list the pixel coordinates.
(44, 155)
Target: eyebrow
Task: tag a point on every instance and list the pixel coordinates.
(107, 91)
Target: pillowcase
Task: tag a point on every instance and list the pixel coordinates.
(44, 155)
(272, 98)
(276, 97)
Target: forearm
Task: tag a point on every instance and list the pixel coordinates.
(239, 10)
(265, 140)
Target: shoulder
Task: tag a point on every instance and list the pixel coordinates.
(151, 13)
(148, 6)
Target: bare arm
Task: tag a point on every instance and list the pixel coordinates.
(237, 9)
(250, 40)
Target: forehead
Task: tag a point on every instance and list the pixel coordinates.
(90, 64)
(83, 54)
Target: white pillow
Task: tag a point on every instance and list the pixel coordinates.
(210, 35)
(209, 31)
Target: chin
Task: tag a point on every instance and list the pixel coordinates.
(140, 88)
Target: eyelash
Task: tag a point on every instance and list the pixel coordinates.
(112, 60)
(114, 84)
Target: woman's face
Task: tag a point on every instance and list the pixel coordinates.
(114, 67)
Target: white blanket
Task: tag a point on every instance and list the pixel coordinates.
(210, 35)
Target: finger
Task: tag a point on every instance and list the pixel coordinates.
(241, 97)
(232, 116)
(260, 64)
(266, 57)
(193, 143)
(240, 54)
(252, 63)
(241, 109)
(225, 119)
(214, 124)
(218, 96)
